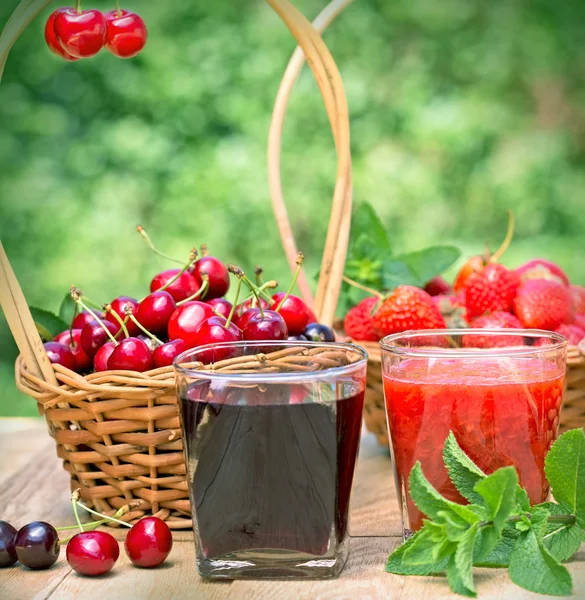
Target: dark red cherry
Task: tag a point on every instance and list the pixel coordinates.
(118, 306)
(214, 331)
(100, 360)
(126, 33)
(72, 339)
(59, 354)
(316, 332)
(244, 306)
(186, 320)
(7, 549)
(92, 553)
(131, 354)
(164, 355)
(184, 287)
(84, 317)
(219, 278)
(149, 542)
(221, 306)
(245, 317)
(37, 545)
(93, 336)
(155, 311)
(271, 326)
(294, 311)
(81, 34)
(51, 36)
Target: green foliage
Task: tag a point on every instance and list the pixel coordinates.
(499, 528)
(48, 324)
(459, 111)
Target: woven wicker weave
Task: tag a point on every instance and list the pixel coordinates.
(572, 413)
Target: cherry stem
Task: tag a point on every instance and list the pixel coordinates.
(105, 517)
(202, 291)
(364, 288)
(300, 260)
(128, 309)
(118, 8)
(256, 298)
(76, 295)
(78, 6)
(509, 235)
(192, 259)
(121, 322)
(204, 250)
(258, 273)
(240, 275)
(74, 499)
(147, 239)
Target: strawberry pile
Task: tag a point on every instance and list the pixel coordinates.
(485, 295)
(186, 308)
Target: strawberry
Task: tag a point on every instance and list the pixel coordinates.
(489, 290)
(358, 321)
(437, 286)
(578, 297)
(573, 333)
(452, 307)
(495, 320)
(543, 304)
(407, 307)
(542, 269)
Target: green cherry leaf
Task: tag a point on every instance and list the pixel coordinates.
(48, 325)
(67, 309)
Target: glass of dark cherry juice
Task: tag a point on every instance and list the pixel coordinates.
(272, 432)
(499, 391)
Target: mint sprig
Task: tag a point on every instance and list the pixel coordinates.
(498, 528)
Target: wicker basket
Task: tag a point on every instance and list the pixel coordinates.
(572, 413)
(118, 432)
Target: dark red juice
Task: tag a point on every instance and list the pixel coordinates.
(271, 468)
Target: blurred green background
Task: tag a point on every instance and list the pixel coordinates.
(460, 110)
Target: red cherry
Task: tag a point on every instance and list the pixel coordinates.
(164, 355)
(294, 311)
(244, 306)
(81, 34)
(59, 354)
(186, 285)
(92, 552)
(219, 278)
(149, 542)
(245, 317)
(51, 36)
(126, 35)
(93, 336)
(221, 305)
(131, 354)
(100, 360)
(84, 317)
(214, 331)
(271, 326)
(186, 320)
(155, 311)
(72, 339)
(118, 305)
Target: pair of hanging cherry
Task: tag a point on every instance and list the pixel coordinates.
(73, 34)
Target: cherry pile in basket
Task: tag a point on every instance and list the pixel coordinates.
(89, 552)
(185, 308)
(73, 34)
(485, 294)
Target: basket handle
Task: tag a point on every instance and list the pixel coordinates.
(329, 81)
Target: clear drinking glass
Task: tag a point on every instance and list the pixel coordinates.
(499, 391)
(272, 432)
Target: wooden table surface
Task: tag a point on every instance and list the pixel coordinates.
(33, 486)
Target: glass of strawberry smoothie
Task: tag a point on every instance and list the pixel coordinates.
(499, 391)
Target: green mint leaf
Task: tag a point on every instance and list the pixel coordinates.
(564, 466)
(534, 568)
(498, 492)
(562, 540)
(522, 500)
(431, 503)
(427, 550)
(464, 556)
(456, 581)
(454, 526)
(463, 472)
(67, 310)
(539, 521)
(369, 237)
(498, 553)
(417, 268)
(48, 325)
(397, 565)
